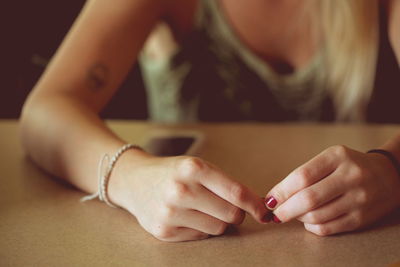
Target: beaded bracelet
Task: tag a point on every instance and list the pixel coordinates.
(103, 179)
(390, 156)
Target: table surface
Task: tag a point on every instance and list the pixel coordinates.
(42, 222)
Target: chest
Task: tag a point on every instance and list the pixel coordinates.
(278, 32)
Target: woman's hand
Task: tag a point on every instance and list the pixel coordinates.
(183, 198)
(337, 191)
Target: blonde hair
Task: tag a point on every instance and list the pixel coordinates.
(350, 32)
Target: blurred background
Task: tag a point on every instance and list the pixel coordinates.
(31, 32)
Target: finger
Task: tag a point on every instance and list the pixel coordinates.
(345, 223)
(235, 193)
(209, 203)
(309, 173)
(328, 212)
(311, 197)
(202, 222)
(179, 234)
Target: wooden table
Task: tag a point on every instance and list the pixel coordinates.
(42, 222)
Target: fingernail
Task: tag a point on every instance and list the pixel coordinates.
(267, 217)
(276, 219)
(270, 202)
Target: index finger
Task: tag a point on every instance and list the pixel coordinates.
(237, 194)
(304, 176)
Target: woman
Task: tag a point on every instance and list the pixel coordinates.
(260, 60)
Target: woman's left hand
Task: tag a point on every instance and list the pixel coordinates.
(337, 191)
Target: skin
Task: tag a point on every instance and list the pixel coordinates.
(189, 198)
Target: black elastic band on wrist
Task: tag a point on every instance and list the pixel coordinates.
(390, 156)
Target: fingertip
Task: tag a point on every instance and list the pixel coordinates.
(282, 215)
(275, 219)
(275, 197)
(270, 202)
(267, 218)
(241, 218)
(262, 215)
(203, 236)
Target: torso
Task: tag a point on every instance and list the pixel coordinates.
(237, 78)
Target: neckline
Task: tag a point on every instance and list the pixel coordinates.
(259, 65)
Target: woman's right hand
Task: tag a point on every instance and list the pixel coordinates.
(182, 198)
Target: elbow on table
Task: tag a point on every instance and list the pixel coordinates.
(32, 123)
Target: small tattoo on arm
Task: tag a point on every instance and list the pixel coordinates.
(97, 76)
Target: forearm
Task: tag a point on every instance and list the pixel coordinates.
(67, 139)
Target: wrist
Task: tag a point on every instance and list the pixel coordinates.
(393, 146)
(390, 157)
(120, 183)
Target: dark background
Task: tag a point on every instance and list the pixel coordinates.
(30, 32)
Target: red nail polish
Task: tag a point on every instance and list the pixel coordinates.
(276, 219)
(267, 217)
(271, 202)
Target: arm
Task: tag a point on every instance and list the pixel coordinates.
(62, 132)
(60, 115)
